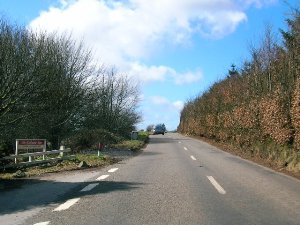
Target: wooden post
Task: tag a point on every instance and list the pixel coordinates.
(61, 154)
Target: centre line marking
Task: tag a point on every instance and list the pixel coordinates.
(42, 223)
(67, 204)
(216, 185)
(113, 170)
(179, 142)
(89, 187)
(185, 148)
(193, 158)
(103, 177)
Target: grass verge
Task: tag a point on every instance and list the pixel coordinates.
(65, 165)
(134, 145)
(91, 160)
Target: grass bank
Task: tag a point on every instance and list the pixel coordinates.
(134, 145)
(79, 160)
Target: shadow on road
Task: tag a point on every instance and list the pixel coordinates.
(147, 153)
(160, 139)
(41, 193)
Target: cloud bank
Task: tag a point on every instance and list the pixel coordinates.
(124, 33)
(162, 101)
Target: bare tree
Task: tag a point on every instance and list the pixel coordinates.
(16, 72)
(112, 103)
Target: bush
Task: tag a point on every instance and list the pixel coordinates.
(133, 145)
(143, 136)
(274, 118)
(295, 114)
(91, 138)
(5, 148)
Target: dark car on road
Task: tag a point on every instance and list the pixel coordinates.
(159, 129)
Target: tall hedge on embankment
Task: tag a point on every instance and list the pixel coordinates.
(256, 107)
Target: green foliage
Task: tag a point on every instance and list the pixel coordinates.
(4, 148)
(89, 139)
(49, 89)
(111, 103)
(143, 136)
(92, 160)
(133, 145)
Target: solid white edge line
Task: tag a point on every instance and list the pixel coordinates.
(67, 204)
(193, 158)
(113, 170)
(185, 148)
(42, 223)
(216, 185)
(102, 177)
(89, 187)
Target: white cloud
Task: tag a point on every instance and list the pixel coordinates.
(178, 105)
(149, 73)
(162, 73)
(161, 110)
(159, 100)
(124, 33)
(162, 101)
(257, 3)
(188, 77)
(132, 30)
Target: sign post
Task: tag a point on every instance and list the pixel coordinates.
(30, 144)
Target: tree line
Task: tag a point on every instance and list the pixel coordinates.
(50, 88)
(258, 105)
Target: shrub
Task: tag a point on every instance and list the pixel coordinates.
(5, 148)
(133, 145)
(274, 119)
(143, 136)
(91, 138)
(295, 114)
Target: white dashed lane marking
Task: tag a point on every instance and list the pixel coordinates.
(185, 148)
(103, 177)
(42, 223)
(216, 185)
(193, 158)
(67, 204)
(89, 187)
(73, 201)
(113, 170)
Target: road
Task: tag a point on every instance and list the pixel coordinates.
(176, 180)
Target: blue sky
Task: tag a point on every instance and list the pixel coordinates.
(175, 48)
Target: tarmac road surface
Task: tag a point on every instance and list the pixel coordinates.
(176, 180)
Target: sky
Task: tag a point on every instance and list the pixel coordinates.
(176, 49)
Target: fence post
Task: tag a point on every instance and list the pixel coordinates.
(100, 148)
(61, 154)
(16, 151)
(44, 149)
